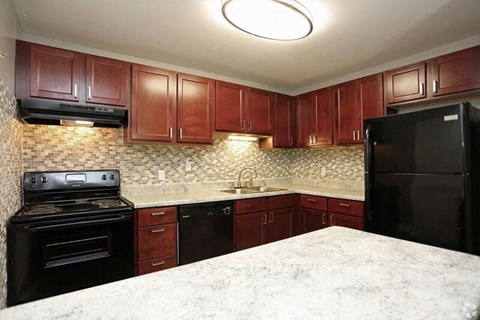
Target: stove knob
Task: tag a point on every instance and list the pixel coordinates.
(34, 180)
(104, 177)
(112, 177)
(44, 179)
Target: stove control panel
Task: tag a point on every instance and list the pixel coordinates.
(64, 180)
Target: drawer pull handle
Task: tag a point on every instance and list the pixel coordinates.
(331, 220)
(158, 230)
(156, 264)
(154, 214)
(311, 200)
(324, 219)
(346, 205)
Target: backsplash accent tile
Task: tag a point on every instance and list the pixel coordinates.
(11, 163)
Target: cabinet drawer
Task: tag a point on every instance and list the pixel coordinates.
(278, 202)
(313, 202)
(154, 216)
(251, 205)
(350, 207)
(157, 264)
(157, 241)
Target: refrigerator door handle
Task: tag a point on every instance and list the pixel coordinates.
(368, 172)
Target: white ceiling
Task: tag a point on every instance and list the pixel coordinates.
(349, 35)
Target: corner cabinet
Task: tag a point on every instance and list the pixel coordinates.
(153, 110)
(52, 73)
(241, 109)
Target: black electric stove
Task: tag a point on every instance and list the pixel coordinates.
(72, 228)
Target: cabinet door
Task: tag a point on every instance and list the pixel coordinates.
(250, 230)
(106, 81)
(405, 84)
(456, 72)
(195, 109)
(371, 97)
(153, 104)
(313, 219)
(259, 111)
(348, 115)
(230, 107)
(324, 130)
(306, 119)
(342, 220)
(280, 224)
(157, 241)
(283, 121)
(55, 73)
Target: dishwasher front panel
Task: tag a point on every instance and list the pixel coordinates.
(205, 231)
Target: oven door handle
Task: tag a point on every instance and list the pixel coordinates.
(78, 223)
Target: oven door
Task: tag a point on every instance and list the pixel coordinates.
(54, 257)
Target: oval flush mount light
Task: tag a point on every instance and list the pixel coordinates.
(270, 19)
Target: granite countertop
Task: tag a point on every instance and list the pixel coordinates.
(334, 273)
(146, 200)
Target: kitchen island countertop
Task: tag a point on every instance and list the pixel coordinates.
(334, 273)
(171, 199)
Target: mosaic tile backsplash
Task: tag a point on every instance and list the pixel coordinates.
(11, 165)
(69, 148)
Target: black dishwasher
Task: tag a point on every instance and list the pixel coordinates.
(205, 230)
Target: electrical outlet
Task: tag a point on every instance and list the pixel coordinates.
(188, 165)
(323, 172)
(161, 175)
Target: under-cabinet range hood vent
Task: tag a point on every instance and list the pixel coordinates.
(49, 112)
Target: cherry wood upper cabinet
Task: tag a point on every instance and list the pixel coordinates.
(195, 109)
(405, 84)
(153, 108)
(356, 101)
(456, 72)
(283, 115)
(324, 130)
(55, 73)
(106, 81)
(242, 109)
(52, 73)
(306, 119)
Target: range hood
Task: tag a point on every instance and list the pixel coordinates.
(52, 112)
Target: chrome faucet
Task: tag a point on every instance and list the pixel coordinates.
(240, 176)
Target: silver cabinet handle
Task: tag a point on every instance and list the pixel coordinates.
(314, 140)
(156, 264)
(291, 141)
(271, 217)
(75, 90)
(435, 86)
(310, 139)
(154, 214)
(358, 135)
(89, 92)
(353, 135)
(311, 200)
(265, 218)
(250, 125)
(324, 218)
(346, 205)
(244, 125)
(158, 230)
(170, 134)
(180, 133)
(331, 220)
(422, 88)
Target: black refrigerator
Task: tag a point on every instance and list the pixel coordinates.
(421, 176)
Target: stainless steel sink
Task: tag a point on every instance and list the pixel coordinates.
(252, 190)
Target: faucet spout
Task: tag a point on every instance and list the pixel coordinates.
(242, 171)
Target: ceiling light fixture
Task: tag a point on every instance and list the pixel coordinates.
(270, 19)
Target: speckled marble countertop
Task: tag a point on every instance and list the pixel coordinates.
(145, 200)
(334, 273)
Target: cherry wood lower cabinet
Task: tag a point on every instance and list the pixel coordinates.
(262, 220)
(320, 212)
(156, 239)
